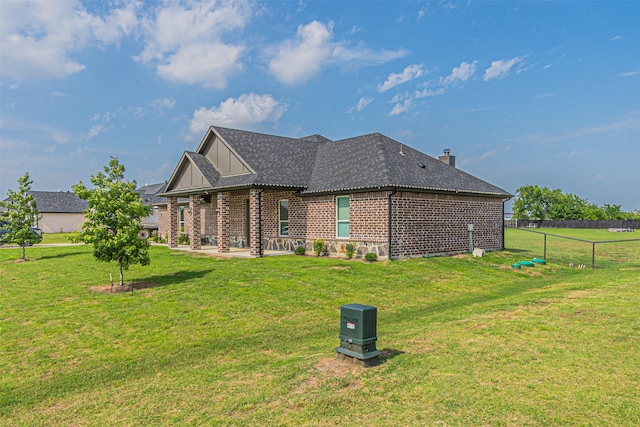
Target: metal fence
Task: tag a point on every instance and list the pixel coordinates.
(576, 252)
(627, 224)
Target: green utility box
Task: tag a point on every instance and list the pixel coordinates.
(358, 331)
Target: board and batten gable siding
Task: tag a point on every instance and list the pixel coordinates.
(226, 162)
(189, 177)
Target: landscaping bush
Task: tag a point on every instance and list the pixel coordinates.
(350, 249)
(318, 247)
(371, 256)
(299, 250)
(183, 239)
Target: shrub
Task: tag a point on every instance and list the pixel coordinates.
(299, 250)
(183, 239)
(371, 256)
(318, 247)
(350, 249)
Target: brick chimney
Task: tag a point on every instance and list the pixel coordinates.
(448, 158)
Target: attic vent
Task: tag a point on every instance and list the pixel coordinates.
(422, 165)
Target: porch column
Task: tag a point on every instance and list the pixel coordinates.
(255, 239)
(196, 232)
(224, 223)
(172, 230)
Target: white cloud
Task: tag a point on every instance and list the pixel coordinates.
(243, 112)
(297, 60)
(41, 131)
(184, 41)
(473, 160)
(163, 103)
(363, 102)
(354, 57)
(628, 123)
(500, 69)
(409, 73)
(464, 72)
(401, 107)
(39, 37)
(616, 38)
(427, 92)
(399, 97)
(94, 131)
(543, 96)
(629, 73)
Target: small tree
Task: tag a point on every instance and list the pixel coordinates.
(113, 218)
(21, 213)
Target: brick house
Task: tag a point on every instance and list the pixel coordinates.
(265, 192)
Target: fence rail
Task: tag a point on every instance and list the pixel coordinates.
(630, 224)
(569, 252)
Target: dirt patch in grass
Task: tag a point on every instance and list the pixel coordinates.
(335, 367)
(128, 287)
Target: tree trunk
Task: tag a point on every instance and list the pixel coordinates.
(23, 252)
(121, 276)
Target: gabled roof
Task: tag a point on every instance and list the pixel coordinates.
(58, 202)
(315, 165)
(149, 193)
(377, 161)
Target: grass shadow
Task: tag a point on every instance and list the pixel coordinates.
(388, 354)
(152, 281)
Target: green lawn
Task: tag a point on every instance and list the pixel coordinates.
(251, 341)
(49, 238)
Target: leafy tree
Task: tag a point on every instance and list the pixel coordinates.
(534, 202)
(531, 202)
(112, 219)
(21, 213)
(614, 212)
(566, 206)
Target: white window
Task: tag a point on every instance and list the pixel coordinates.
(342, 216)
(283, 216)
(181, 219)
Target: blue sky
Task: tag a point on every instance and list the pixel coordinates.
(544, 93)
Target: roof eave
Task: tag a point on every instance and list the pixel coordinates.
(409, 188)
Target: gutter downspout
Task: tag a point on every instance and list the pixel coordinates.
(395, 190)
(503, 223)
(260, 252)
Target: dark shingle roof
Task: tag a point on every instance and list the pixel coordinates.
(58, 202)
(149, 193)
(315, 164)
(377, 161)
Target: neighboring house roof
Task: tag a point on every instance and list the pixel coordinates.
(149, 193)
(315, 165)
(58, 202)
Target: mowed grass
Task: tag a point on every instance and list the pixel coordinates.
(252, 341)
(609, 255)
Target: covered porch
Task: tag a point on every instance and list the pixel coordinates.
(214, 213)
(211, 250)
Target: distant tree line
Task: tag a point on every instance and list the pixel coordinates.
(540, 203)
